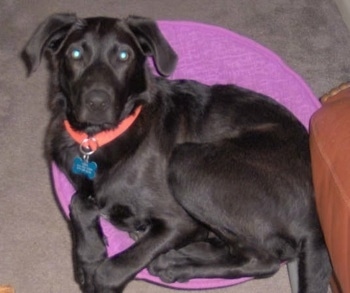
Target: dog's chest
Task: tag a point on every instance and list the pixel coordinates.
(138, 182)
(133, 194)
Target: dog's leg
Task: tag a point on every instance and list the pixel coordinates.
(163, 235)
(212, 260)
(241, 193)
(314, 266)
(89, 247)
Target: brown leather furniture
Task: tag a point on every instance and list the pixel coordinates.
(330, 153)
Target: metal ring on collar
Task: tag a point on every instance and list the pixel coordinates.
(88, 146)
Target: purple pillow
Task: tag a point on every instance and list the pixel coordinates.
(213, 55)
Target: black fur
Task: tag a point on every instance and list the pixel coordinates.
(213, 181)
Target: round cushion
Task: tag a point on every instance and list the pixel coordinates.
(212, 55)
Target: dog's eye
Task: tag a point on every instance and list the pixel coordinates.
(76, 54)
(123, 55)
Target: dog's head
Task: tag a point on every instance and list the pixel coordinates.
(100, 64)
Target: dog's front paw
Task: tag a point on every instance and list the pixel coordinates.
(85, 281)
(84, 276)
(107, 280)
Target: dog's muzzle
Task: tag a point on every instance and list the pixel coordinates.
(97, 101)
(96, 107)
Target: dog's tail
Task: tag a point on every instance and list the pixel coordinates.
(314, 265)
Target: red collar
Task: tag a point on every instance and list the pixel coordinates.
(103, 137)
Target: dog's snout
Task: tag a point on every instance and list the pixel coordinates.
(97, 100)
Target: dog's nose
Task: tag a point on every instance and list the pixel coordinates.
(97, 100)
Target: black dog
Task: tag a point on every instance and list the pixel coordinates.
(215, 181)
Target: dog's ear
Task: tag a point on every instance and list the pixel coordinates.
(47, 36)
(153, 43)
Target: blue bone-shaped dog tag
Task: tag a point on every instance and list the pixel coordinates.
(86, 168)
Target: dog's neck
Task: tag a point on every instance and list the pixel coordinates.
(104, 137)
